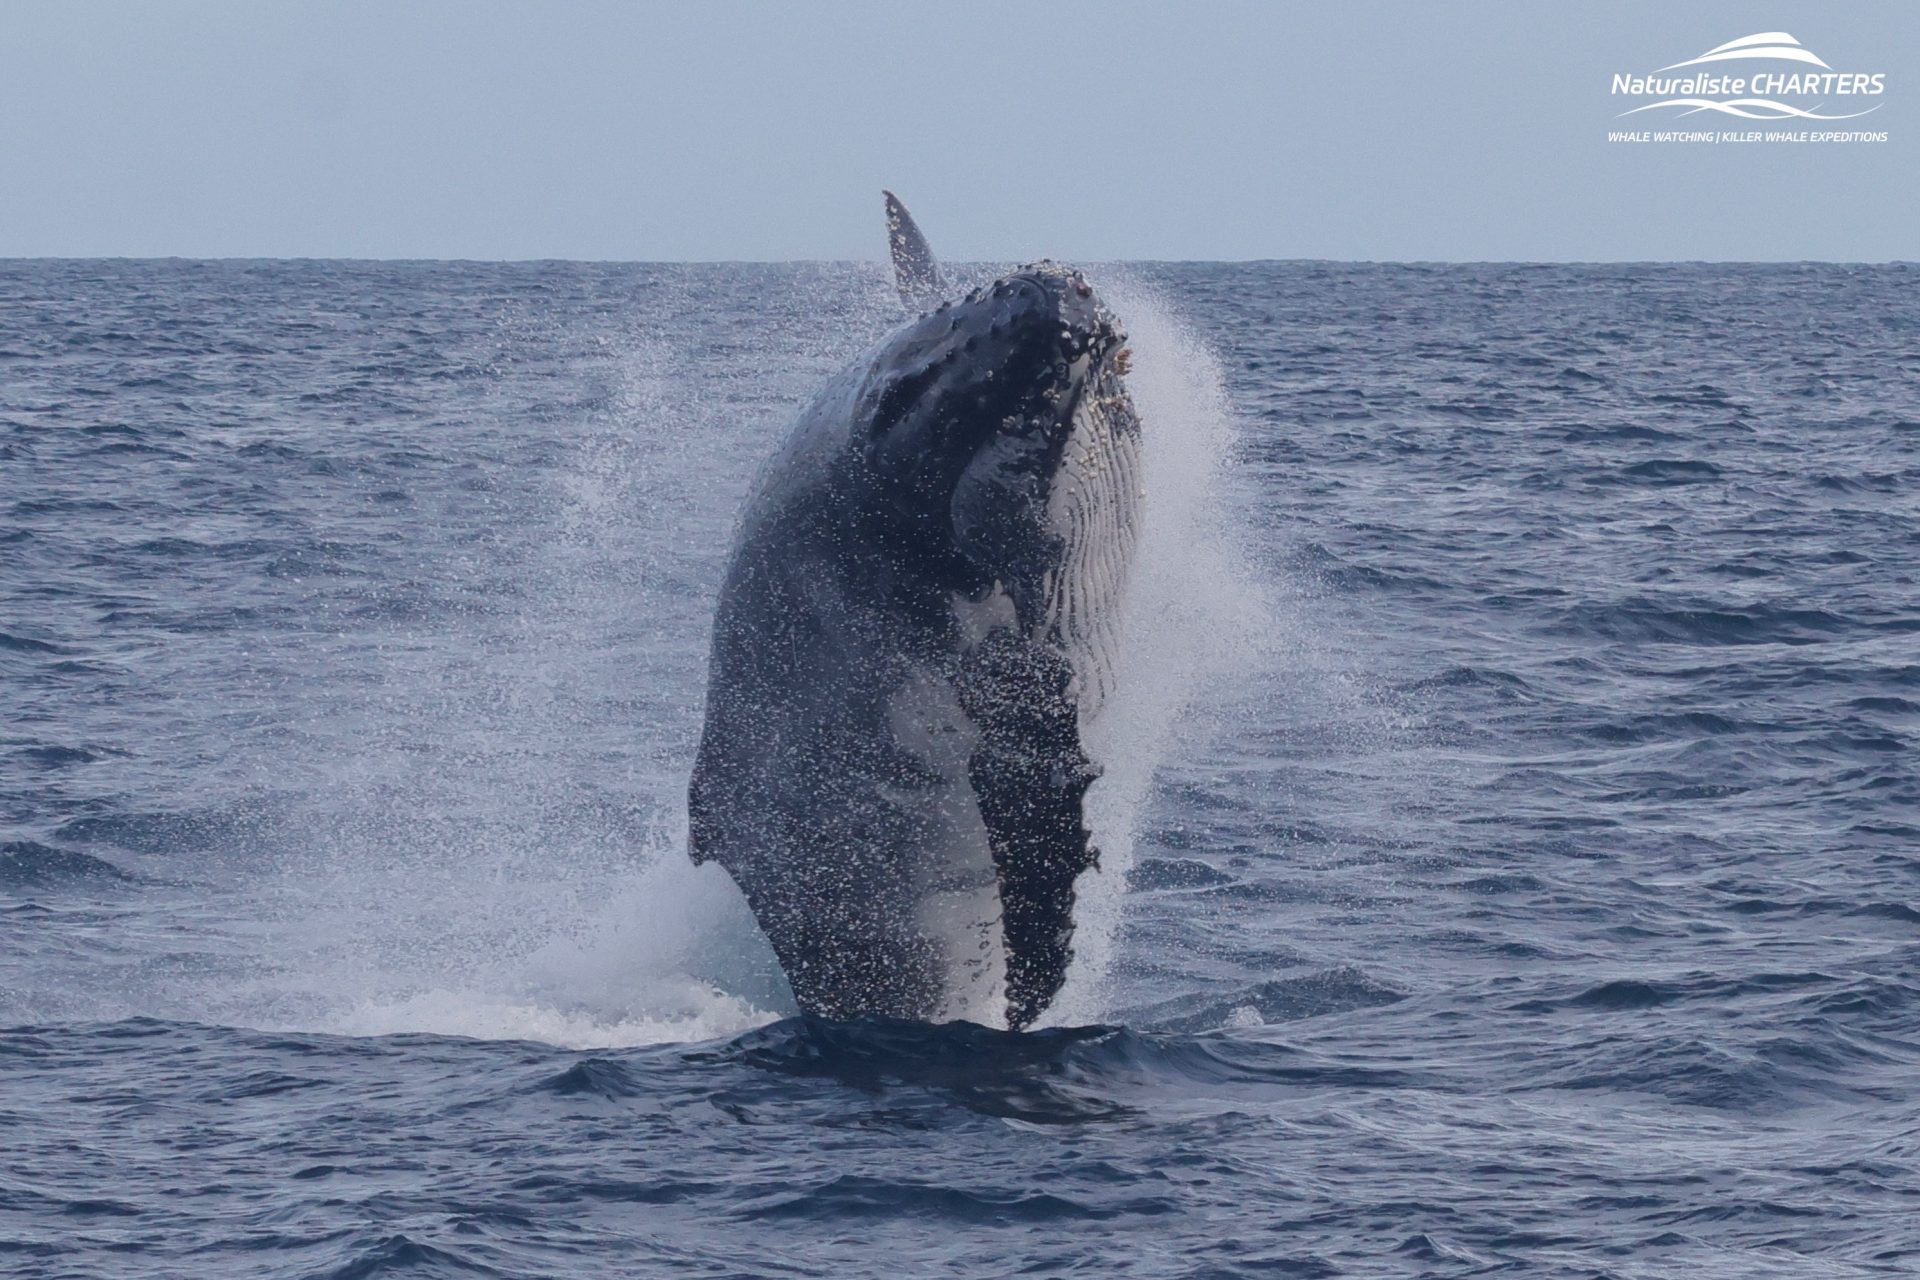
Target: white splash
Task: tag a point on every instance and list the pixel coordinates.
(490, 841)
(1193, 612)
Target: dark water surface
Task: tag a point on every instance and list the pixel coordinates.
(1536, 890)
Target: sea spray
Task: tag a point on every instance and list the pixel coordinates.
(489, 840)
(1194, 611)
(536, 886)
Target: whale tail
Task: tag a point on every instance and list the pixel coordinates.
(916, 273)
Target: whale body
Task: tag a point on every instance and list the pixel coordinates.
(917, 622)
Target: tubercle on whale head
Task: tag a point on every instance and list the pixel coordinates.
(1009, 347)
(966, 412)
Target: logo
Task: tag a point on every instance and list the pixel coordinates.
(1746, 79)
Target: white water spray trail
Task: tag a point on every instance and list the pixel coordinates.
(1193, 613)
(497, 848)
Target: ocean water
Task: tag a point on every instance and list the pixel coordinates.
(1512, 847)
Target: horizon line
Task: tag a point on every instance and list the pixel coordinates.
(880, 263)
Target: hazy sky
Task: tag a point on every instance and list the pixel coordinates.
(716, 130)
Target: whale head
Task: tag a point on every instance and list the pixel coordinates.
(1002, 432)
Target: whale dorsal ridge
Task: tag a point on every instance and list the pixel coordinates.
(916, 273)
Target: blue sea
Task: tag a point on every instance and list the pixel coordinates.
(1512, 835)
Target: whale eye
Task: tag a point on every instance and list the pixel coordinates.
(898, 396)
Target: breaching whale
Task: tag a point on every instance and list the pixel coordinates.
(918, 620)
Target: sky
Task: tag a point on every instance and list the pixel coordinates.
(734, 130)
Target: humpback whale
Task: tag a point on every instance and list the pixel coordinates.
(918, 621)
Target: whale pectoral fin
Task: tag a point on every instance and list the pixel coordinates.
(916, 273)
(1030, 776)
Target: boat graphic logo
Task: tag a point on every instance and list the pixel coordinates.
(1741, 83)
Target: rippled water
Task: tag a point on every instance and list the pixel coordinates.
(1532, 885)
